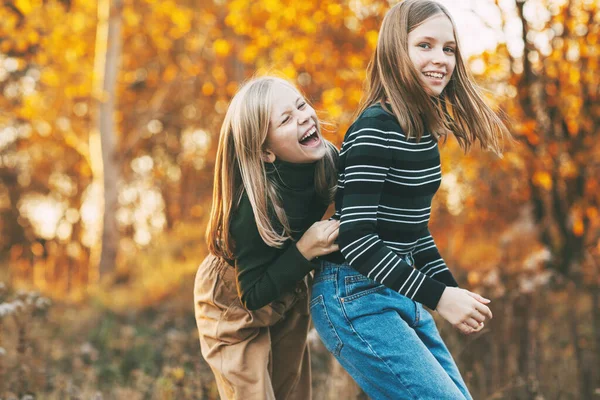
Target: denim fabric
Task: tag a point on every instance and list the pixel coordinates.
(387, 342)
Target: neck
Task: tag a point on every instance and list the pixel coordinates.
(292, 176)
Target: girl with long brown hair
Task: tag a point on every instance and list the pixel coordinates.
(274, 178)
(369, 309)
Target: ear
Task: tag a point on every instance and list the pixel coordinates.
(268, 156)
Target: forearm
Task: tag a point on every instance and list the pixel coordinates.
(260, 284)
(429, 261)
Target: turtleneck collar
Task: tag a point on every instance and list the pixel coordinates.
(292, 176)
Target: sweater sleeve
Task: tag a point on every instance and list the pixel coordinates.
(368, 158)
(429, 261)
(263, 272)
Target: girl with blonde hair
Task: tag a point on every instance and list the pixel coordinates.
(369, 309)
(274, 178)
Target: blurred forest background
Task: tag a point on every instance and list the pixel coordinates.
(109, 117)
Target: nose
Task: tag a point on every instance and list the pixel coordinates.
(439, 57)
(303, 116)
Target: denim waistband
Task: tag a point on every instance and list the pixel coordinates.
(329, 264)
(408, 258)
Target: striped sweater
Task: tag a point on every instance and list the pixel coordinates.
(385, 187)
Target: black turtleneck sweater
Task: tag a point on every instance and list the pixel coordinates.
(264, 273)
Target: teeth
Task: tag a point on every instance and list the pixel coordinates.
(435, 75)
(307, 134)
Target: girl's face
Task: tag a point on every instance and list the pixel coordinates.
(432, 50)
(293, 134)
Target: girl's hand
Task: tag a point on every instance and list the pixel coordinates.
(466, 311)
(319, 239)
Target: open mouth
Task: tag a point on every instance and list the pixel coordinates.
(310, 138)
(438, 76)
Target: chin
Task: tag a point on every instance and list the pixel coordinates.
(435, 92)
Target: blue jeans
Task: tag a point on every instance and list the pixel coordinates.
(387, 342)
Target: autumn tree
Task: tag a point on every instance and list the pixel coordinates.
(552, 98)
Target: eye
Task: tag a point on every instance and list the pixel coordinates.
(285, 120)
(450, 50)
(301, 106)
(424, 45)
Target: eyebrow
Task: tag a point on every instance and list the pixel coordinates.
(435, 40)
(288, 110)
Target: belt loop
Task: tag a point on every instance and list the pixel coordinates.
(321, 265)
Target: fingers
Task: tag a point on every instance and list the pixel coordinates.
(464, 328)
(477, 316)
(334, 235)
(480, 305)
(472, 323)
(330, 227)
(478, 297)
(329, 249)
(331, 231)
(484, 310)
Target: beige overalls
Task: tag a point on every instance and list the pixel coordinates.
(260, 354)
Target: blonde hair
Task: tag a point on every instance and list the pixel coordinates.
(391, 76)
(239, 168)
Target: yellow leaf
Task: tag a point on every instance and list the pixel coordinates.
(79, 22)
(249, 54)
(131, 18)
(181, 19)
(271, 6)
(219, 74)
(543, 179)
(50, 77)
(24, 6)
(178, 374)
(290, 72)
(578, 228)
(33, 37)
(221, 47)
(371, 37)
(232, 87)
(334, 9)
(170, 73)
(299, 58)
(318, 17)
(208, 89)
(474, 278)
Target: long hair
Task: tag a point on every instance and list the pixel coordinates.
(391, 77)
(239, 168)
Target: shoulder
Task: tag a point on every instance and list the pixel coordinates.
(376, 111)
(374, 123)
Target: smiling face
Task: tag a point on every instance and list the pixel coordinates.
(294, 135)
(432, 50)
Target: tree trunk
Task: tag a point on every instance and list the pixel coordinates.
(108, 48)
(596, 328)
(583, 373)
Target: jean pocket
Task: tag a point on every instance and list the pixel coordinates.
(324, 326)
(356, 286)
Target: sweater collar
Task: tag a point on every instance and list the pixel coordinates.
(292, 176)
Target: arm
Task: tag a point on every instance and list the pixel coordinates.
(367, 158)
(263, 272)
(429, 261)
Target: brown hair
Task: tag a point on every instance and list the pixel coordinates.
(391, 77)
